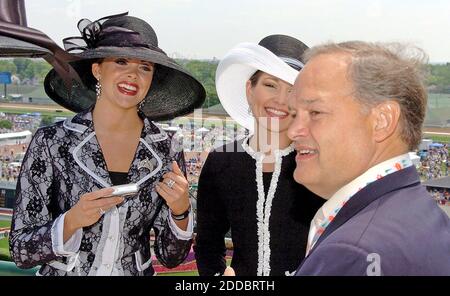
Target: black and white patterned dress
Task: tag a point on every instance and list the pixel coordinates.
(63, 162)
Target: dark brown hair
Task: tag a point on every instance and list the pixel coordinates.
(255, 77)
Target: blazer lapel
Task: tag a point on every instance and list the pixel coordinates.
(88, 154)
(404, 178)
(149, 160)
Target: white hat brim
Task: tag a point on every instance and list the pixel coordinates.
(236, 68)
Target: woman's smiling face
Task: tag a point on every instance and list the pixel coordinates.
(125, 82)
(267, 97)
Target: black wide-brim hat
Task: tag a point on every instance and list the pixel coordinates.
(173, 92)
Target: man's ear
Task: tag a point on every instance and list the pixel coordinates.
(386, 117)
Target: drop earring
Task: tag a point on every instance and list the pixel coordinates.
(98, 89)
(250, 111)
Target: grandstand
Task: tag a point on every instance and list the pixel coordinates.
(15, 138)
(440, 190)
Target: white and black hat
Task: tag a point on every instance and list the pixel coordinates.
(277, 55)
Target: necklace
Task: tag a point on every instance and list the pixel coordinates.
(263, 212)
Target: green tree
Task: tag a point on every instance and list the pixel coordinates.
(439, 77)
(8, 66)
(30, 71)
(6, 124)
(30, 68)
(21, 64)
(46, 120)
(205, 72)
(41, 70)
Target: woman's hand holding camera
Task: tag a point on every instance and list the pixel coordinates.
(88, 210)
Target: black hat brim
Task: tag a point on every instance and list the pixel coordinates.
(173, 92)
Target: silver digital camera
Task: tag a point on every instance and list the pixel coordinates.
(125, 190)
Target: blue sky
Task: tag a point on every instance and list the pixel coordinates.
(205, 29)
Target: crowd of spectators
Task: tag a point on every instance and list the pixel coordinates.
(197, 138)
(441, 195)
(20, 122)
(11, 155)
(435, 163)
(11, 159)
(194, 164)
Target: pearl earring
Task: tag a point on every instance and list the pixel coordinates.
(98, 89)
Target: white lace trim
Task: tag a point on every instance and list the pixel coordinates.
(263, 214)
